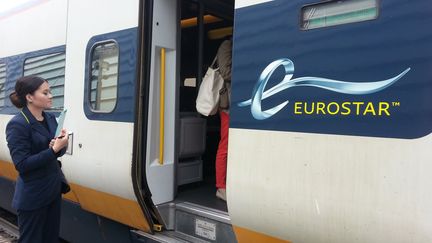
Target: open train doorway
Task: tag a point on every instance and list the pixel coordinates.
(178, 145)
(204, 26)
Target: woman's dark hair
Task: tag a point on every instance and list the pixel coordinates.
(24, 86)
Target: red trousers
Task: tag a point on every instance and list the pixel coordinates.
(222, 152)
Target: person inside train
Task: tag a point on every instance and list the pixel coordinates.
(34, 151)
(224, 63)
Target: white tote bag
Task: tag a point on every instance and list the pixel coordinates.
(207, 102)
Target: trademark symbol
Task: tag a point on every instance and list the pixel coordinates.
(395, 103)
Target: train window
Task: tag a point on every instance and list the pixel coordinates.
(52, 68)
(338, 12)
(2, 84)
(104, 76)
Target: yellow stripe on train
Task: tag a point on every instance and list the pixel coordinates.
(110, 206)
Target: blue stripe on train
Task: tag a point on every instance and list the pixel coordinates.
(367, 51)
(124, 109)
(15, 70)
(125, 106)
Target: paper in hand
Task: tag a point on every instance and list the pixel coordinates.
(60, 123)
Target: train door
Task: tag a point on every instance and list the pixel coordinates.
(178, 145)
(100, 74)
(158, 99)
(181, 48)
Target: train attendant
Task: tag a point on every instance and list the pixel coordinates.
(34, 152)
(224, 63)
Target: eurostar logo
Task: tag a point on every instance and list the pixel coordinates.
(344, 87)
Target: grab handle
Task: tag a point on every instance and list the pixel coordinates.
(162, 107)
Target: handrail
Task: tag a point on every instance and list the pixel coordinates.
(192, 22)
(220, 33)
(162, 107)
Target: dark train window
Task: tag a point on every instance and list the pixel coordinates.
(338, 12)
(104, 76)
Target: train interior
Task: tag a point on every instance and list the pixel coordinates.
(199, 135)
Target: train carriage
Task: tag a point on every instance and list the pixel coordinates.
(329, 119)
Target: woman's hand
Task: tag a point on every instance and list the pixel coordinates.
(60, 142)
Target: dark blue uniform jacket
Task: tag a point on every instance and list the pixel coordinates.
(40, 177)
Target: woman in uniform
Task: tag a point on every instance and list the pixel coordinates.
(34, 151)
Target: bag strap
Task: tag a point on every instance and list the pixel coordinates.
(25, 117)
(214, 61)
